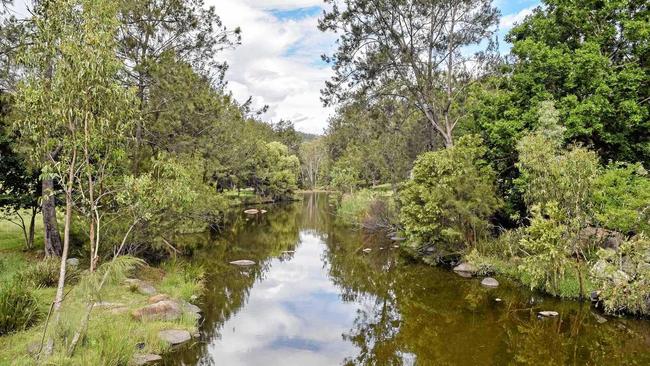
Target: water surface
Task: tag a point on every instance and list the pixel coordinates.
(316, 299)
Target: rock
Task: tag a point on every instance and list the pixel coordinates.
(395, 246)
(142, 287)
(73, 262)
(119, 311)
(108, 305)
(194, 298)
(490, 282)
(599, 319)
(252, 211)
(243, 262)
(599, 269)
(466, 269)
(498, 299)
(162, 310)
(367, 250)
(594, 296)
(548, 314)
(397, 238)
(191, 308)
(174, 336)
(602, 238)
(146, 359)
(158, 298)
(263, 211)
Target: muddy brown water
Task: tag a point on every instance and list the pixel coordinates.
(315, 298)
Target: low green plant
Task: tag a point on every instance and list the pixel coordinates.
(18, 308)
(45, 273)
(623, 276)
(182, 280)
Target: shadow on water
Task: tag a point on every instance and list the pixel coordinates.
(316, 299)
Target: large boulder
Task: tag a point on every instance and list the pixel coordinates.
(162, 310)
(174, 336)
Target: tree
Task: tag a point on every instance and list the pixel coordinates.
(409, 49)
(447, 203)
(151, 29)
(19, 185)
(276, 171)
(313, 159)
(71, 90)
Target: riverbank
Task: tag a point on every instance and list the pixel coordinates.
(134, 318)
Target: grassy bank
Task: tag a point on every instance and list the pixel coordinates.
(113, 336)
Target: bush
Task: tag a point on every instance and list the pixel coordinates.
(18, 308)
(450, 197)
(46, 273)
(367, 209)
(344, 177)
(623, 276)
(622, 198)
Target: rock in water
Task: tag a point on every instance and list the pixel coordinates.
(174, 336)
(490, 282)
(146, 359)
(466, 269)
(548, 314)
(367, 250)
(252, 211)
(243, 262)
(162, 310)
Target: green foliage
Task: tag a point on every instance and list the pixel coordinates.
(623, 276)
(450, 198)
(622, 198)
(344, 177)
(547, 249)
(276, 171)
(18, 308)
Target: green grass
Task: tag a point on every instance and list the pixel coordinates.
(111, 338)
(11, 236)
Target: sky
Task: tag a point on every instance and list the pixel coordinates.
(279, 62)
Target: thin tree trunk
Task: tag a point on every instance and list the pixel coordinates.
(32, 221)
(50, 225)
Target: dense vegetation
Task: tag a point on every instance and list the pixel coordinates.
(531, 164)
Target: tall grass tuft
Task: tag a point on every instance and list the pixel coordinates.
(18, 308)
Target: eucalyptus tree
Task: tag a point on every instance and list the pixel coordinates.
(415, 50)
(151, 29)
(71, 100)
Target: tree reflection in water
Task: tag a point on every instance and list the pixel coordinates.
(329, 303)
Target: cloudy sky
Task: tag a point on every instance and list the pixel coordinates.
(279, 63)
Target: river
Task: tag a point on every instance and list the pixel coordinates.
(315, 298)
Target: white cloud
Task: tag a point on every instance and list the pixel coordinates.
(278, 61)
(509, 20)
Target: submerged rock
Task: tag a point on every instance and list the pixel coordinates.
(174, 336)
(466, 269)
(146, 359)
(251, 211)
(490, 282)
(162, 310)
(243, 262)
(548, 314)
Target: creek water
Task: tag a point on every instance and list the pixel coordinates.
(315, 298)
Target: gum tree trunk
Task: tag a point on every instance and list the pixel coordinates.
(52, 237)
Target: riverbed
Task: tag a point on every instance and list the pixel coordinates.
(316, 298)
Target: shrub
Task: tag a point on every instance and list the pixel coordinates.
(622, 198)
(623, 276)
(366, 209)
(344, 177)
(46, 273)
(450, 197)
(18, 308)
